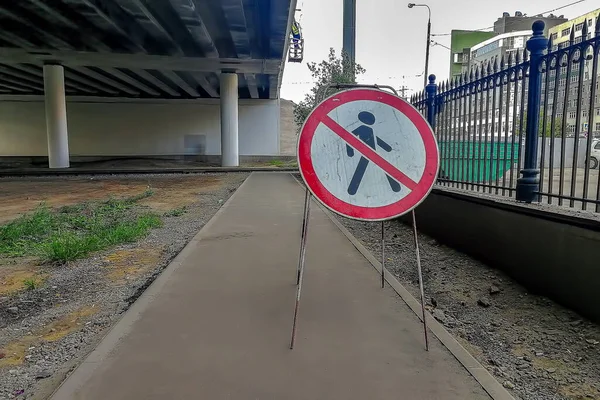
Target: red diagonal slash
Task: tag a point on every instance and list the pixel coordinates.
(368, 153)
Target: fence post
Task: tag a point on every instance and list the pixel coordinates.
(431, 90)
(528, 185)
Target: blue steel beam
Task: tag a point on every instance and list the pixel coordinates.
(92, 34)
(212, 17)
(129, 26)
(65, 37)
(168, 19)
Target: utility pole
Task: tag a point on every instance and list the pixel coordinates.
(403, 91)
(349, 38)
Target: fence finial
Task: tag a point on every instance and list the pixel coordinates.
(597, 30)
(584, 31)
(510, 59)
(550, 45)
(572, 35)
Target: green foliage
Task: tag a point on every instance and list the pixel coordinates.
(333, 70)
(30, 284)
(176, 212)
(276, 163)
(73, 232)
(551, 128)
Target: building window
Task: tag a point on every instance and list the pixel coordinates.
(575, 67)
(578, 27)
(584, 114)
(597, 112)
(574, 78)
(565, 32)
(562, 81)
(554, 36)
(590, 22)
(578, 39)
(598, 129)
(571, 114)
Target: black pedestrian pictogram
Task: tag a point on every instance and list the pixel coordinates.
(366, 134)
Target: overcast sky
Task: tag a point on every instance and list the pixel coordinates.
(390, 37)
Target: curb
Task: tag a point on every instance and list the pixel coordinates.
(133, 171)
(493, 388)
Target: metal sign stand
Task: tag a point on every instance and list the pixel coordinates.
(414, 220)
(300, 274)
(305, 220)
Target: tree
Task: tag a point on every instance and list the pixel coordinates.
(547, 130)
(332, 70)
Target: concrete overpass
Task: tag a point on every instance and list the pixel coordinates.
(140, 52)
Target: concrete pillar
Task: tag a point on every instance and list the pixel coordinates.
(229, 120)
(56, 116)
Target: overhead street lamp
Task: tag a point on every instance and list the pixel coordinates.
(411, 5)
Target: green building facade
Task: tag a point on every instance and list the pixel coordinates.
(461, 43)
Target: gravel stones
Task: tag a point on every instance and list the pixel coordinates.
(84, 284)
(495, 318)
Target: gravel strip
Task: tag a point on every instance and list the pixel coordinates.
(83, 285)
(538, 349)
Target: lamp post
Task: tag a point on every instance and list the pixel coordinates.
(411, 5)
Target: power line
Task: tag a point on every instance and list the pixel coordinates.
(541, 13)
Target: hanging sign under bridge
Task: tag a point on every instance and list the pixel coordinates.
(368, 155)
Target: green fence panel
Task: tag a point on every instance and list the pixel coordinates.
(477, 161)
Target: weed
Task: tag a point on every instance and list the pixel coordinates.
(176, 212)
(276, 163)
(73, 232)
(31, 284)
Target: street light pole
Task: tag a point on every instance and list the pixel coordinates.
(426, 75)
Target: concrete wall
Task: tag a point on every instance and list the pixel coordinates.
(142, 129)
(556, 255)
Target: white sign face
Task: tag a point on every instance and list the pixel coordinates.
(396, 139)
(368, 155)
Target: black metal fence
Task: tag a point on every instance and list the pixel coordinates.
(525, 124)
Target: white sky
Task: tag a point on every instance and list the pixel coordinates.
(390, 37)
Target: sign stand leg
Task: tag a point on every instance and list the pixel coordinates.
(414, 218)
(382, 254)
(301, 264)
(302, 243)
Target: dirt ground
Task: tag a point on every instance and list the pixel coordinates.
(19, 196)
(45, 331)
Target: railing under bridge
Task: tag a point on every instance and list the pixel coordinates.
(525, 125)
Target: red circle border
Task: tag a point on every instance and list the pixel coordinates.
(390, 211)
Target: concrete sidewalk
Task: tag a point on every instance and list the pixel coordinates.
(216, 324)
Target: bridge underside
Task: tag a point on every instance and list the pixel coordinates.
(145, 48)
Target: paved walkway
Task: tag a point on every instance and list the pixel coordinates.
(216, 324)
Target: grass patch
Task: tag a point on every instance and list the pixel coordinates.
(176, 212)
(73, 232)
(276, 163)
(282, 163)
(31, 284)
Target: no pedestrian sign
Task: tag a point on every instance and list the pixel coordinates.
(368, 155)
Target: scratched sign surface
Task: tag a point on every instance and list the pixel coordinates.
(368, 155)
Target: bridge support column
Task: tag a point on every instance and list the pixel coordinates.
(56, 116)
(229, 120)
